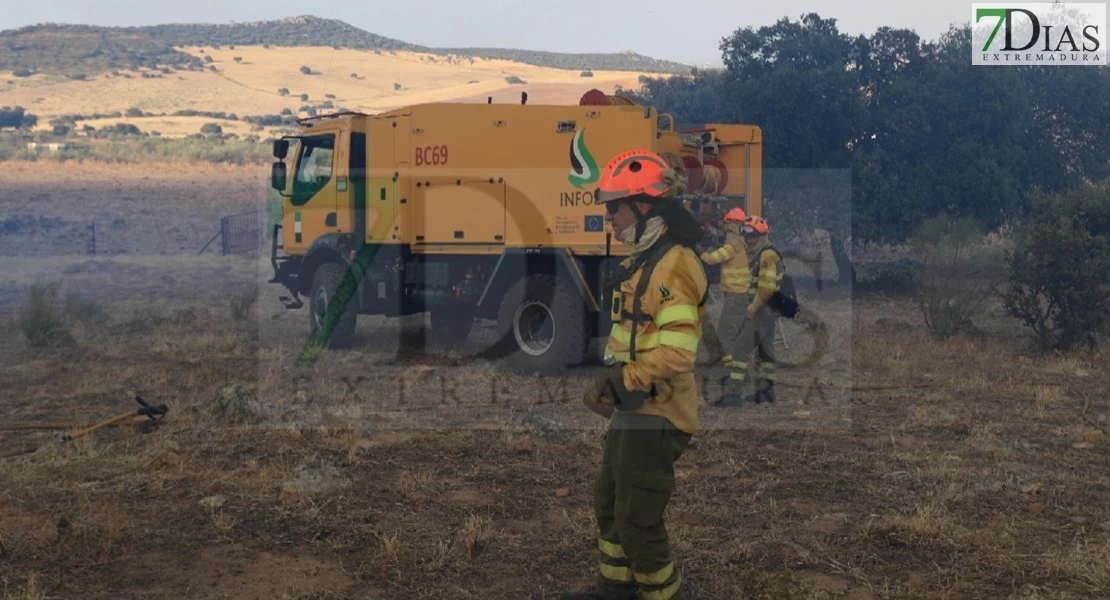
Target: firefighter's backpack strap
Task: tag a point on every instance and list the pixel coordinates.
(648, 267)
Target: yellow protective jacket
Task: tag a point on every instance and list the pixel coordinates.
(767, 270)
(733, 258)
(672, 308)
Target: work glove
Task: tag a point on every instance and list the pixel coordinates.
(625, 399)
(599, 397)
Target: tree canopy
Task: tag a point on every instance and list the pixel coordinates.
(920, 130)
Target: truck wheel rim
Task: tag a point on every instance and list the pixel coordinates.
(534, 328)
(320, 307)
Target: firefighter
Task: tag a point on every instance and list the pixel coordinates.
(647, 391)
(735, 275)
(758, 332)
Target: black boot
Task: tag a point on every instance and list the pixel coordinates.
(731, 392)
(767, 394)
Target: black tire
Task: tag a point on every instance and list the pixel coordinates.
(539, 307)
(325, 282)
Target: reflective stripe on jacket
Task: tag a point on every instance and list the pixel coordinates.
(733, 258)
(667, 337)
(768, 270)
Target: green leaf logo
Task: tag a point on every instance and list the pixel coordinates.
(583, 167)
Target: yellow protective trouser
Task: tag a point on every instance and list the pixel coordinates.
(712, 343)
(631, 494)
(718, 341)
(757, 333)
(732, 319)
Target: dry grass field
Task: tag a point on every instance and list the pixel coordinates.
(973, 468)
(250, 87)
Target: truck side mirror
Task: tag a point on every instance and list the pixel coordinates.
(277, 176)
(281, 149)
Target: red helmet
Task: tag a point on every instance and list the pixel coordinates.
(632, 173)
(735, 215)
(756, 225)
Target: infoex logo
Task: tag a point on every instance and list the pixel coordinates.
(1056, 34)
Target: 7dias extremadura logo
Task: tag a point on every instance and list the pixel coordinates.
(1055, 34)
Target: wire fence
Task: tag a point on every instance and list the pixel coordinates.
(243, 232)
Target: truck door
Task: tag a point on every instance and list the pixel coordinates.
(313, 210)
(387, 180)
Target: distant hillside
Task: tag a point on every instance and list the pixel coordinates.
(624, 61)
(81, 49)
(293, 31)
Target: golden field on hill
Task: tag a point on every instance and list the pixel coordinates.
(250, 86)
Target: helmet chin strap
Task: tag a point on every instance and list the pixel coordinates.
(642, 218)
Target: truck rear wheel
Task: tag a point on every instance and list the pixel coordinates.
(325, 283)
(542, 322)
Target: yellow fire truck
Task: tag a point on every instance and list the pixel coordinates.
(480, 211)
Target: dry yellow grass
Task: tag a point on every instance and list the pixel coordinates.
(250, 87)
(968, 469)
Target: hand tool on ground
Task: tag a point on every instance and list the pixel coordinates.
(144, 410)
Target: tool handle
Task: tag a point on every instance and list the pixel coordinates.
(102, 424)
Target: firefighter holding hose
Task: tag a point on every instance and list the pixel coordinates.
(648, 391)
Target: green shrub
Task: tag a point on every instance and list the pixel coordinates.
(955, 273)
(1059, 269)
(242, 303)
(42, 320)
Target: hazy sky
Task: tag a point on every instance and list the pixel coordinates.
(675, 29)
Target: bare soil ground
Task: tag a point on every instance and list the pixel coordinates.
(972, 468)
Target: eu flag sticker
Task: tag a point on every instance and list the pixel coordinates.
(595, 223)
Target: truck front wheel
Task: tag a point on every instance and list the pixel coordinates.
(325, 284)
(542, 320)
